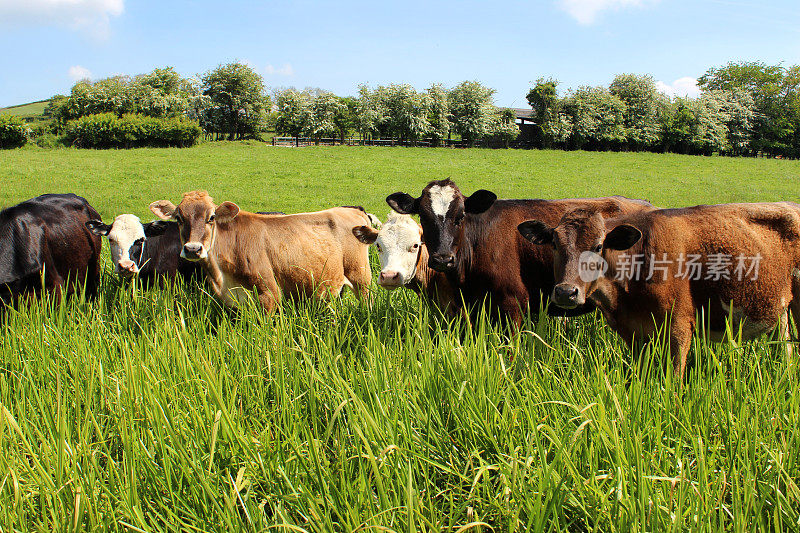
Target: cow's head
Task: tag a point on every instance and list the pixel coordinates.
(126, 237)
(580, 251)
(197, 217)
(441, 209)
(399, 243)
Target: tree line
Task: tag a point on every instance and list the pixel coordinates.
(745, 109)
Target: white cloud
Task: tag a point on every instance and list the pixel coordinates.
(686, 86)
(285, 70)
(91, 16)
(586, 11)
(77, 72)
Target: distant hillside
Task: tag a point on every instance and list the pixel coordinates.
(30, 112)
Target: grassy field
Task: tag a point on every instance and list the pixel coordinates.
(157, 410)
(31, 111)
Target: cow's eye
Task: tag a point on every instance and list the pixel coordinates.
(178, 219)
(211, 218)
(597, 248)
(414, 247)
(457, 221)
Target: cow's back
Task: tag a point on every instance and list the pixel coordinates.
(50, 229)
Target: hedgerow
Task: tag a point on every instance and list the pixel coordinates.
(107, 130)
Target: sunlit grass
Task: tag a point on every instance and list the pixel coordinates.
(160, 410)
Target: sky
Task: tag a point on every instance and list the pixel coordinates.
(337, 45)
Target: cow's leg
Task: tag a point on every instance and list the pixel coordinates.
(680, 340)
(785, 332)
(358, 274)
(269, 294)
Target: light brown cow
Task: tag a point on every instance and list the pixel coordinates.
(671, 266)
(306, 254)
(404, 260)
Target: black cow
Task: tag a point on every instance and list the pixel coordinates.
(45, 244)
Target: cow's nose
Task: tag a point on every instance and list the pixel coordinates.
(442, 262)
(389, 278)
(566, 295)
(192, 248)
(126, 267)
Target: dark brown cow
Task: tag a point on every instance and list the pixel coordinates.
(474, 240)
(670, 266)
(44, 243)
(404, 260)
(307, 254)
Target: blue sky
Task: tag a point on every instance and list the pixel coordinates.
(336, 45)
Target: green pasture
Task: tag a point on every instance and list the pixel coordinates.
(160, 411)
(33, 110)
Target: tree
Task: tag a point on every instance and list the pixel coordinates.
(371, 111)
(438, 112)
(643, 104)
(471, 110)
(294, 113)
(407, 112)
(345, 117)
(543, 99)
(321, 119)
(504, 126)
(771, 89)
(598, 118)
(237, 99)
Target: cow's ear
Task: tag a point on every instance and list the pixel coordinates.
(155, 228)
(226, 212)
(365, 234)
(163, 209)
(622, 237)
(536, 231)
(479, 201)
(403, 203)
(97, 227)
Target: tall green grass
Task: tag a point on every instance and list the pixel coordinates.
(161, 411)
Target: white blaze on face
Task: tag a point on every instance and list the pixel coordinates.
(125, 230)
(441, 198)
(398, 246)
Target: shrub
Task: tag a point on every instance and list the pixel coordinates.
(13, 132)
(106, 130)
(48, 140)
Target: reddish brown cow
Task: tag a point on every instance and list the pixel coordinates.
(474, 240)
(306, 254)
(669, 266)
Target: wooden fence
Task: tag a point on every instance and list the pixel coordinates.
(354, 141)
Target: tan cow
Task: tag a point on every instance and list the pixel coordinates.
(306, 254)
(670, 266)
(404, 260)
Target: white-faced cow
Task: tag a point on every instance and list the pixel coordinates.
(404, 259)
(45, 244)
(307, 254)
(474, 241)
(148, 250)
(669, 266)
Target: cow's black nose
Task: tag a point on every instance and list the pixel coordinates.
(565, 293)
(442, 262)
